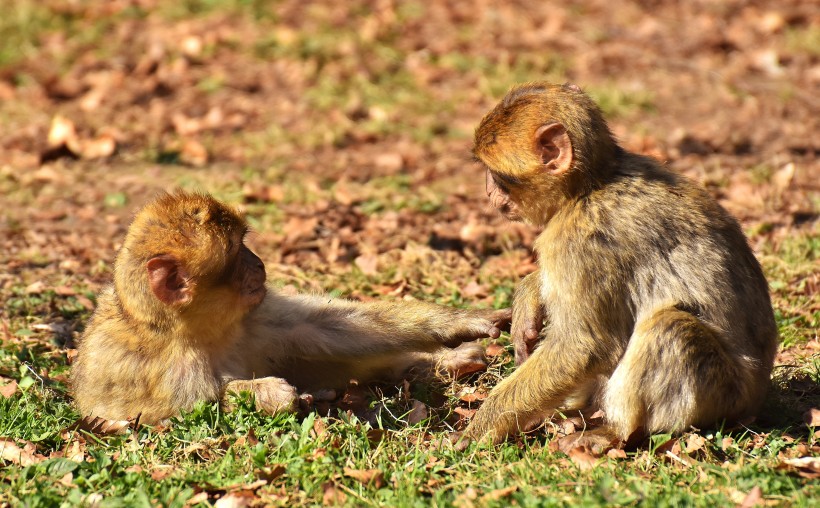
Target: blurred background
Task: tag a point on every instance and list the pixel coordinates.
(344, 129)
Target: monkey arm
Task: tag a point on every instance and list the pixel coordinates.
(316, 327)
(527, 316)
(538, 386)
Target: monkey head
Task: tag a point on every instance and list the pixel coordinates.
(186, 254)
(543, 143)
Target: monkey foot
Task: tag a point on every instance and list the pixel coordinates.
(597, 441)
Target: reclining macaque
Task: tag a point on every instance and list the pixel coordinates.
(656, 309)
(189, 317)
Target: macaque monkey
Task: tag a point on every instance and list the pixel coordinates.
(656, 309)
(189, 317)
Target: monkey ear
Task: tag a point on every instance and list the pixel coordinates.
(554, 148)
(571, 86)
(168, 280)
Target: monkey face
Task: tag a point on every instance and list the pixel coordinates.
(499, 194)
(249, 277)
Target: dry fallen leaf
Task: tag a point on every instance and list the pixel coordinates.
(8, 390)
(753, 498)
(332, 496)
(497, 494)
(98, 148)
(101, 426)
(471, 395)
(239, 499)
(26, 456)
(368, 264)
(418, 413)
(616, 453)
(193, 153)
(494, 350)
(366, 476)
(807, 467)
(694, 443)
(61, 132)
(812, 417)
(582, 458)
(270, 473)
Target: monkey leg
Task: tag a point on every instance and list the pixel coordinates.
(675, 373)
(272, 394)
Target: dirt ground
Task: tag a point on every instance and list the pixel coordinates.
(343, 129)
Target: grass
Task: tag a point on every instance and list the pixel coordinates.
(361, 84)
(285, 460)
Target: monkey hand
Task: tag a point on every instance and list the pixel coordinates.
(272, 394)
(470, 325)
(525, 333)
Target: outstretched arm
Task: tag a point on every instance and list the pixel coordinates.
(317, 327)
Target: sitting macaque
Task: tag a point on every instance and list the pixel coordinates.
(656, 309)
(189, 318)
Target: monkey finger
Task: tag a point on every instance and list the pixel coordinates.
(531, 336)
(502, 318)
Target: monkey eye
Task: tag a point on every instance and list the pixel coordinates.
(504, 181)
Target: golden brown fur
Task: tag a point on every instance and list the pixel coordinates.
(188, 318)
(655, 306)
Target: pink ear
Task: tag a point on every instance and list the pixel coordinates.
(168, 280)
(554, 147)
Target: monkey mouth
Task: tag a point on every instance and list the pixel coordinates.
(509, 212)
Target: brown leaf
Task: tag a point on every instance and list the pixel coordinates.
(812, 417)
(332, 496)
(8, 390)
(494, 350)
(466, 498)
(694, 443)
(474, 290)
(366, 476)
(807, 467)
(319, 427)
(418, 412)
(497, 494)
(368, 264)
(193, 153)
(753, 498)
(616, 453)
(98, 148)
(36, 288)
(200, 497)
(270, 473)
(67, 480)
(75, 451)
(161, 473)
(390, 162)
(239, 499)
(471, 395)
(26, 456)
(463, 411)
(354, 398)
(582, 458)
(101, 426)
(61, 132)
